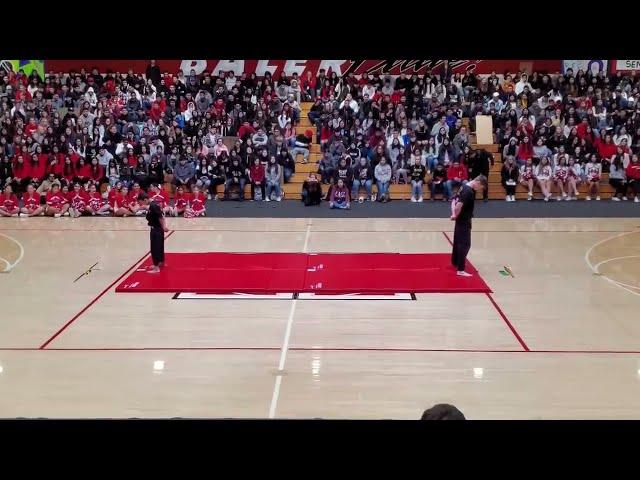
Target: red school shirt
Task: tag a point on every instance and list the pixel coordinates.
(56, 200)
(31, 202)
(197, 202)
(181, 200)
(9, 202)
(161, 198)
(78, 200)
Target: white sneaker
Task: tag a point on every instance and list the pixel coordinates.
(508, 198)
(420, 200)
(588, 198)
(66, 214)
(361, 200)
(413, 199)
(209, 197)
(636, 200)
(546, 199)
(373, 197)
(625, 198)
(568, 198)
(278, 199)
(615, 199)
(267, 199)
(56, 215)
(464, 274)
(598, 198)
(558, 198)
(530, 196)
(16, 215)
(513, 198)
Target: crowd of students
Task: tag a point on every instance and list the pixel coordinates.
(105, 135)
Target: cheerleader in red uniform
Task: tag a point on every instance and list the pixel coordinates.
(197, 208)
(527, 177)
(31, 201)
(97, 204)
(136, 207)
(544, 174)
(118, 201)
(574, 178)
(161, 197)
(181, 201)
(9, 203)
(561, 177)
(56, 202)
(593, 172)
(78, 201)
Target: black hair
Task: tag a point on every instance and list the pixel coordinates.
(442, 411)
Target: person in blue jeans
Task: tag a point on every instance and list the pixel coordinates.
(417, 172)
(383, 178)
(273, 175)
(362, 177)
(340, 197)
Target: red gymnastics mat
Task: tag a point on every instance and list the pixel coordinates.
(320, 273)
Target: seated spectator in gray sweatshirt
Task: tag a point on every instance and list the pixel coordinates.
(259, 138)
(184, 173)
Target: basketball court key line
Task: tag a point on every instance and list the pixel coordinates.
(98, 297)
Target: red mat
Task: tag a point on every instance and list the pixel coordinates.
(328, 273)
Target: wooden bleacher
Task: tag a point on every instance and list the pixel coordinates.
(293, 189)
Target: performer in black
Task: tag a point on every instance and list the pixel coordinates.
(462, 214)
(156, 221)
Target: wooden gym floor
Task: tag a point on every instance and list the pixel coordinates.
(560, 339)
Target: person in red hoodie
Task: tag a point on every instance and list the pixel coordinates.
(67, 170)
(633, 176)
(37, 168)
(525, 150)
(21, 174)
(96, 172)
(78, 201)
(82, 171)
(180, 201)
(606, 150)
(457, 174)
(256, 174)
(9, 206)
(31, 202)
(57, 204)
(246, 129)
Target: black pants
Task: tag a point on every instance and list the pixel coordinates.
(461, 245)
(634, 185)
(510, 189)
(157, 246)
(619, 185)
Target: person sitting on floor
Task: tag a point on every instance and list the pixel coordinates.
(340, 197)
(9, 206)
(311, 190)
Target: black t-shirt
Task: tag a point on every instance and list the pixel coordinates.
(466, 196)
(154, 215)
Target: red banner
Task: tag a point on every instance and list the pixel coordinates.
(341, 67)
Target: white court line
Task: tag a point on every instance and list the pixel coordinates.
(597, 270)
(11, 265)
(8, 265)
(593, 268)
(285, 343)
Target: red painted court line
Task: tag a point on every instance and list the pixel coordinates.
(506, 320)
(326, 349)
(100, 295)
(500, 312)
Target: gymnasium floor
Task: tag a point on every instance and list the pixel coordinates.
(559, 339)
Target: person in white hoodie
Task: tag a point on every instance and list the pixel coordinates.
(351, 103)
(91, 97)
(383, 177)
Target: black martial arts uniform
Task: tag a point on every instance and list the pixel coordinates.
(154, 215)
(462, 232)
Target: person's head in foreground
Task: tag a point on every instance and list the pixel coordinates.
(479, 183)
(442, 411)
